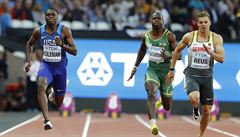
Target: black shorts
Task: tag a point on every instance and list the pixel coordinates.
(202, 84)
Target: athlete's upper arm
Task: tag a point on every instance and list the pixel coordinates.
(34, 37)
(143, 44)
(186, 39)
(172, 40)
(218, 44)
(67, 34)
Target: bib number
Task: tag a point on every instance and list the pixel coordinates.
(52, 53)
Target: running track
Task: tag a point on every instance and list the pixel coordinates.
(97, 125)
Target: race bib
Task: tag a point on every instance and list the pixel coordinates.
(200, 60)
(52, 53)
(155, 54)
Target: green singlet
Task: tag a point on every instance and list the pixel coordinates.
(157, 66)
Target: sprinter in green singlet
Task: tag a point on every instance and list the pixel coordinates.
(204, 46)
(160, 43)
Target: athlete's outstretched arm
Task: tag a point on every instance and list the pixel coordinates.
(218, 54)
(70, 47)
(141, 53)
(29, 47)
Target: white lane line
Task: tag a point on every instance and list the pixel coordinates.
(21, 124)
(139, 119)
(235, 120)
(209, 127)
(86, 126)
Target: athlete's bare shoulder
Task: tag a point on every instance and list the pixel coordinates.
(65, 28)
(143, 35)
(66, 31)
(35, 34)
(187, 38)
(189, 35)
(218, 41)
(171, 35)
(36, 31)
(217, 37)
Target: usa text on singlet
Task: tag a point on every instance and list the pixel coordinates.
(51, 52)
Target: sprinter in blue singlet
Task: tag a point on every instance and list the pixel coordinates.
(55, 40)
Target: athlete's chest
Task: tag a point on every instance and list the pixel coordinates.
(49, 40)
(198, 47)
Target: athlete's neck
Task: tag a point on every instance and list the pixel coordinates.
(204, 35)
(51, 28)
(157, 32)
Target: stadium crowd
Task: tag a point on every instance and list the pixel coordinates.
(128, 14)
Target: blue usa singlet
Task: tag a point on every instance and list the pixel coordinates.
(54, 62)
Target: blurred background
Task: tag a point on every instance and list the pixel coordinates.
(107, 34)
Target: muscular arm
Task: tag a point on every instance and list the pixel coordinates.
(141, 52)
(29, 47)
(181, 45)
(218, 54)
(70, 47)
(172, 42)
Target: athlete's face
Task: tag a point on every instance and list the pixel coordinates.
(203, 24)
(157, 20)
(51, 17)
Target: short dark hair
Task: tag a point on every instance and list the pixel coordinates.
(203, 14)
(50, 9)
(157, 12)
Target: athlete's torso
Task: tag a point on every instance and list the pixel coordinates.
(200, 62)
(155, 46)
(52, 54)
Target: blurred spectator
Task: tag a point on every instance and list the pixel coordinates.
(136, 19)
(237, 13)
(104, 6)
(70, 4)
(68, 16)
(26, 13)
(5, 17)
(197, 4)
(228, 21)
(211, 7)
(192, 19)
(222, 7)
(176, 17)
(159, 6)
(179, 12)
(4, 65)
(145, 6)
(117, 15)
(16, 10)
(78, 13)
(38, 14)
(94, 12)
(59, 6)
(23, 12)
(46, 4)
